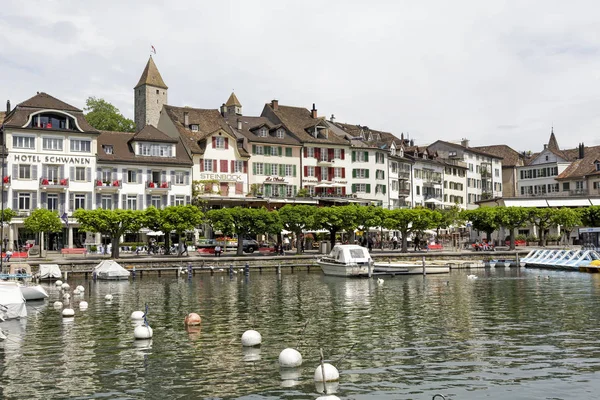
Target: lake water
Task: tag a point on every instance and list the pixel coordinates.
(519, 334)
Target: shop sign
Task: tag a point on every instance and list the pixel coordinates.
(277, 179)
(36, 158)
(204, 176)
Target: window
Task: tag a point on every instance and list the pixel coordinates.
(24, 171)
(337, 172)
(471, 167)
(52, 202)
(418, 190)
(452, 153)
(310, 151)
(155, 150)
(179, 200)
(106, 202)
(598, 166)
(289, 170)
(362, 156)
(84, 146)
(260, 150)
(496, 172)
(379, 158)
(546, 158)
(262, 132)
(324, 155)
(324, 174)
(132, 202)
(275, 169)
(337, 153)
(219, 142)
(259, 168)
(208, 165)
(25, 201)
(579, 185)
(80, 174)
(52, 144)
(280, 133)
(79, 201)
(360, 187)
(194, 127)
(393, 151)
(238, 167)
(289, 191)
(179, 178)
(131, 176)
(23, 142)
(394, 167)
(477, 168)
(156, 202)
(310, 171)
(108, 149)
(106, 175)
(361, 173)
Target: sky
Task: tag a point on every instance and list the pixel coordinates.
(494, 72)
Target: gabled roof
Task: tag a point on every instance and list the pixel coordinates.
(582, 167)
(151, 134)
(379, 139)
(44, 100)
(233, 101)
(123, 153)
(510, 157)
(2, 114)
(250, 126)
(151, 76)
(463, 148)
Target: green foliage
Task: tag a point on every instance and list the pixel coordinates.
(335, 219)
(590, 216)
(512, 218)
(296, 218)
(111, 222)
(484, 219)
(104, 116)
(410, 221)
(43, 221)
(568, 219)
(93, 248)
(303, 193)
(8, 214)
(450, 217)
(176, 219)
(542, 219)
(367, 217)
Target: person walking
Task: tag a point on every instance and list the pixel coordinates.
(8, 255)
(394, 242)
(417, 244)
(218, 251)
(185, 249)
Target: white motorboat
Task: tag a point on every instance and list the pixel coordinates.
(110, 270)
(12, 303)
(33, 292)
(347, 260)
(410, 269)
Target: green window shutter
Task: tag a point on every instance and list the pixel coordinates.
(368, 188)
(280, 150)
(254, 168)
(288, 151)
(295, 187)
(353, 156)
(253, 149)
(382, 174)
(267, 150)
(282, 190)
(367, 171)
(353, 171)
(294, 176)
(366, 156)
(267, 169)
(383, 187)
(268, 190)
(353, 188)
(281, 168)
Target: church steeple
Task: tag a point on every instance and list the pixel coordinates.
(232, 107)
(150, 94)
(552, 143)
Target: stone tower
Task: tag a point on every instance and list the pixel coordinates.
(232, 107)
(150, 94)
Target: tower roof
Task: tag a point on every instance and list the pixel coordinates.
(233, 101)
(151, 76)
(552, 143)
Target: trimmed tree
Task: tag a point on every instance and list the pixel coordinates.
(408, 221)
(335, 219)
(590, 216)
(176, 219)
(542, 219)
(367, 217)
(42, 221)
(114, 223)
(512, 218)
(484, 219)
(567, 219)
(296, 219)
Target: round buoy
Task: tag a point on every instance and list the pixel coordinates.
(65, 286)
(58, 304)
(76, 292)
(331, 373)
(328, 397)
(68, 312)
(83, 305)
(58, 283)
(290, 358)
(108, 297)
(137, 315)
(80, 288)
(142, 332)
(66, 296)
(192, 319)
(251, 338)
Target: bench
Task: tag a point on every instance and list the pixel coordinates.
(17, 254)
(435, 247)
(76, 250)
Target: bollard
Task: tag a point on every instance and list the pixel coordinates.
(246, 269)
(133, 272)
(278, 268)
(230, 269)
(424, 270)
(65, 274)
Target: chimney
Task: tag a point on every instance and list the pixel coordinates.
(186, 119)
(239, 124)
(332, 119)
(223, 109)
(275, 104)
(581, 150)
(7, 106)
(313, 112)
(545, 146)
(412, 142)
(464, 142)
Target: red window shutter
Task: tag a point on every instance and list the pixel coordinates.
(343, 171)
(318, 154)
(343, 189)
(329, 154)
(201, 165)
(214, 142)
(305, 152)
(214, 165)
(232, 166)
(226, 143)
(318, 173)
(342, 154)
(305, 170)
(330, 173)
(224, 166)
(245, 167)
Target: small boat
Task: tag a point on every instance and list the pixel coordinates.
(110, 270)
(33, 292)
(347, 260)
(12, 303)
(49, 272)
(410, 269)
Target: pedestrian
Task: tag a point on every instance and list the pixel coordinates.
(394, 242)
(185, 249)
(417, 246)
(8, 255)
(370, 244)
(218, 251)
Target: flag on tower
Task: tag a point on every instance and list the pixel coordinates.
(153, 50)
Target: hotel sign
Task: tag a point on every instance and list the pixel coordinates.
(204, 176)
(276, 179)
(35, 158)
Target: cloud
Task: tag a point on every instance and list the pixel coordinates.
(493, 72)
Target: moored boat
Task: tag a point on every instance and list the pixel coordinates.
(410, 269)
(12, 303)
(33, 292)
(110, 270)
(348, 260)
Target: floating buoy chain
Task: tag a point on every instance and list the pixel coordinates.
(338, 362)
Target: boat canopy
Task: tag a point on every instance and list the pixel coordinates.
(110, 269)
(49, 271)
(350, 253)
(12, 303)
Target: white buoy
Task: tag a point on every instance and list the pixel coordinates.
(137, 315)
(76, 292)
(290, 358)
(251, 338)
(472, 277)
(83, 305)
(80, 288)
(328, 397)
(142, 332)
(66, 296)
(331, 373)
(68, 312)
(108, 297)
(58, 304)
(380, 281)
(65, 286)
(58, 283)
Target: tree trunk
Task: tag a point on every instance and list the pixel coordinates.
(240, 246)
(167, 243)
(298, 242)
(332, 237)
(404, 242)
(512, 239)
(114, 241)
(489, 236)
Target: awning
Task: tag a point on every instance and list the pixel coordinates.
(335, 184)
(526, 203)
(154, 233)
(595, 202)
(433, 201)
(324, 185)
(569, 202)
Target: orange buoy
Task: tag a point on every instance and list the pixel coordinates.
(192, 319)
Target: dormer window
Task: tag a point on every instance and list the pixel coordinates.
(262, 132)
(280, 133)
(108, 149)
(370, 137)
(452, 153)
(597, 165)
(401, 153)
(194, 127)
(393, 151)
(53, 121)
(155, 150)
(425, 156)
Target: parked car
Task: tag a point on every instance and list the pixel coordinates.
(250, 246)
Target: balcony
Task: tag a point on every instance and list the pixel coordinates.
(54, 184)
(157, 187)
(432, 179)
(324, 161)
(6, 182)
(108, 186)
(428, 196)
(403, 191)
(566, 193)
(404, 175)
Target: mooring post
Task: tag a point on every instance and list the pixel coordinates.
(230, 269)
(159, 272)
(279, 268)
(518, 261)
(246, 269)
(424, 270)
